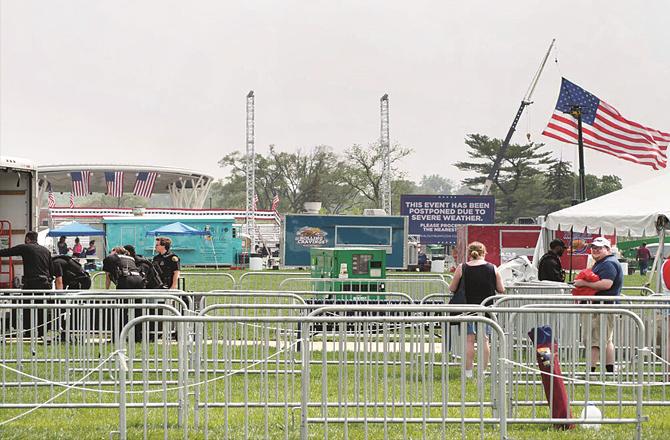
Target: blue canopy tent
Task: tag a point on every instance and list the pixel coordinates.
(75, 229)
(179, 228)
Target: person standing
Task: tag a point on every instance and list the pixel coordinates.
(482, 280)
(38, 274)
(77, 249)
(643, 257)
(550, 268)
(168, 263)
(90, 250)
(61, 246)
(608, 268)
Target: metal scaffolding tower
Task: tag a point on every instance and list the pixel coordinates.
(386, 151)
(250, 170)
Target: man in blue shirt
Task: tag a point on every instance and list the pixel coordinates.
(609, 270)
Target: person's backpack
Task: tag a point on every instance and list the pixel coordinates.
(149, 272)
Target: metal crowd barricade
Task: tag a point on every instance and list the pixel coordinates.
(653, 311)
(206, 281)
(384, 373)
(265, 280)
(58, 350)
(352, 288)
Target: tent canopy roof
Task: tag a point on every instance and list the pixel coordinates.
(177, 228)
(635, 210)
(75, 229)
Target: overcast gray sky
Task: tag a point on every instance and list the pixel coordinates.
(164, 82)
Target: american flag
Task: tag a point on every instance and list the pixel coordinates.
(604, 129)
(52, 197)
(275, 202)
(71, 200)
(144, 185)
(255, 203)
(114, 180)
(80, 182)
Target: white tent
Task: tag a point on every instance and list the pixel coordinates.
(636, 210)
(639, 210)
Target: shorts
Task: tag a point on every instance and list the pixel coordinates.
(592, 321)
(472, 328)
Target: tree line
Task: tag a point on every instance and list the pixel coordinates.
(530, 182)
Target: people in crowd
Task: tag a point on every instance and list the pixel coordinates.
(643, 257)
(610, 272)
(121, 270)
(77, 249)
(61, 246)
(38, 274)
(550, 268)
(167, 262)
(70, 274)
(90, 250)
(482, 280)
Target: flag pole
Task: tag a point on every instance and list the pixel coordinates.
(576, 112)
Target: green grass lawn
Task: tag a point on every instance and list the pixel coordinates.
(284, 422)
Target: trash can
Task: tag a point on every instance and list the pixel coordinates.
(255, 263)
(437, 266)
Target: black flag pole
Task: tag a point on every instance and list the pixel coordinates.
(576, 112)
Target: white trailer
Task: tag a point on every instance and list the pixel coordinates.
(19, 210)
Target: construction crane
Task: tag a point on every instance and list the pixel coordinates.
(250, 171)
(526, 101)
(386, 152)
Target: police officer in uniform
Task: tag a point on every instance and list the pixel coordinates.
(69, 274)
(38, 274)
(38, 270)
(121, 270)
(167, 262)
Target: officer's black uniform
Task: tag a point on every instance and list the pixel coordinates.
(74, 276)
(168, 263)
(123, 271)
(38, 269)
(38, 274)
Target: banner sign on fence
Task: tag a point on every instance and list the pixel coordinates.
(434, 217)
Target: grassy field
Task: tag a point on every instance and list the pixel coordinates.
(283, 423)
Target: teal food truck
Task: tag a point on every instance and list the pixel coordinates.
(215, 242)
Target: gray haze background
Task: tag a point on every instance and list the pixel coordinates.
(164, 82)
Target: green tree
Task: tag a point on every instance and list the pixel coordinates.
(517, 170)
(361, 170)
(435, 184)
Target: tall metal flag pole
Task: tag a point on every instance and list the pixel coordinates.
(576, 112)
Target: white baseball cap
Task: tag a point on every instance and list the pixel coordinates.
(601, 241)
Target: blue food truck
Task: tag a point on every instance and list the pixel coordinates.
(220, 245)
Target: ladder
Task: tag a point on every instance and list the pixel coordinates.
(6, 263)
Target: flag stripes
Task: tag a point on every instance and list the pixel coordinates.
(81, 183)
(604, 129)
(144, 185)
(114, 180)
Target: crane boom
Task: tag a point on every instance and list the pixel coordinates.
(526, 101)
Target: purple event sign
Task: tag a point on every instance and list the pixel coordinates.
(434, 217)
